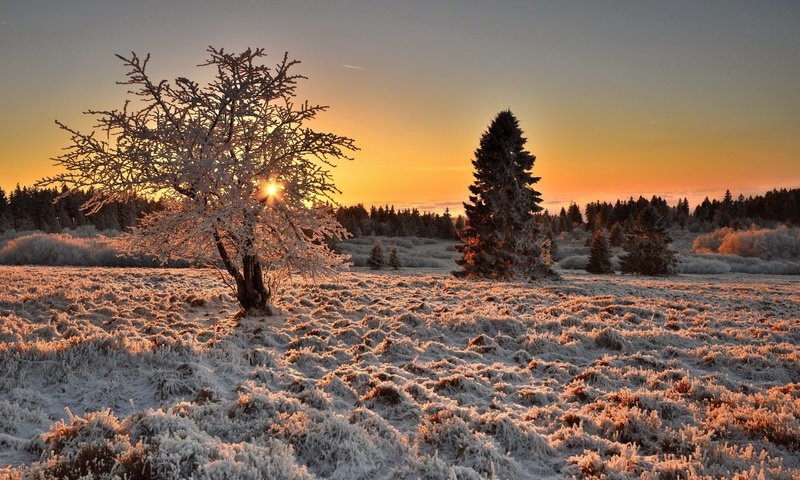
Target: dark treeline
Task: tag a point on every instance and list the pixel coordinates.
(398, 223)
(775, 206)
(30, 208)
(617, 218)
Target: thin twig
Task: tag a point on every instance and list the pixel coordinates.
(222, 276)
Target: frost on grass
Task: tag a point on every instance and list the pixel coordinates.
(82, 247)
(387, 376)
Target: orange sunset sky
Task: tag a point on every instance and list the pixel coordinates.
(616, 98)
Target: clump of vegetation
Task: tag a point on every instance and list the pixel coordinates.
(781, 242)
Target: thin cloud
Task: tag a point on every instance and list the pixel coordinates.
(353, 67)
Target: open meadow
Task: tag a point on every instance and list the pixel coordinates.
(447, 240)
(145, 373)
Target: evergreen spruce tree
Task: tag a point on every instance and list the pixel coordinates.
(501, 237)
(447, 228)
(551, 235)
(725, 211)
(574, 214)
(5, 212)
(564, 223)
(460, 225)
(647, 246)
(683, 212)
(617, 236)
(394, 258)
(600, 255)
(375, 260)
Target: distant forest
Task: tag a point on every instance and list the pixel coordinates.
(398, 223)
(776, 206)
(30, 208)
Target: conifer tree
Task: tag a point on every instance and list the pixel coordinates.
(375, 260)
(501, 236)
(600, 255)
(725, 211)
(5, 216)
(394, 258)
(647, 246)
(682, 212)
(617, 236)
(574, 214)
(564, 223)
(460, 225)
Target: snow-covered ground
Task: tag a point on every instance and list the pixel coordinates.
(144, 373)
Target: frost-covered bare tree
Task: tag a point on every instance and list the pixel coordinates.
(233, 160)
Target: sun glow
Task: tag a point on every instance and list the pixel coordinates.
(270, 189)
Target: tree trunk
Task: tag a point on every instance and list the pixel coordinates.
(253, 295)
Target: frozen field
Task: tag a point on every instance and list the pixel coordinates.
(143, 373)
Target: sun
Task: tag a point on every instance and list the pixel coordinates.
(271, 189)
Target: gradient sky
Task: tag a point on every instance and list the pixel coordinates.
(678, 98)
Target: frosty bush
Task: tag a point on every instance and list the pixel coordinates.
(574, 262)
(710, 242)
(695, 264)
(717, 264)
(56, 249)
(570, 250)
(781, 242)
(76, 249)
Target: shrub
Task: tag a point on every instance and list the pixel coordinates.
(781, 242)
(574, 262)
(719, 264)
(58, 249)
(701, 265)
(77, 249)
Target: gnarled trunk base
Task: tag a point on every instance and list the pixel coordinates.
(253, 295)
